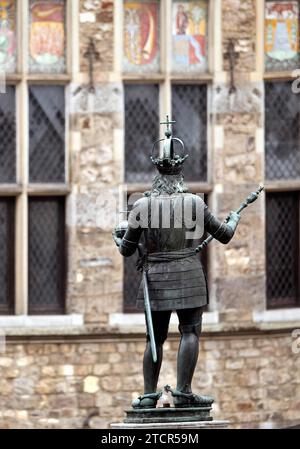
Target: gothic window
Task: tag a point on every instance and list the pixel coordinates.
(7, 254)
(46, 255)
(46, 133)
(33, 154)
(282, 240)
(189, 110)
(8, 136)
(282, 131)
(141, 130)
(282, 171)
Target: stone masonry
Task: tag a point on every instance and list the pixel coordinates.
(254, 380)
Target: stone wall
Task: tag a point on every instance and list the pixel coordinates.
(238, 23)
(96, 122)
(237, 271)
(46, 384)
(96, 21)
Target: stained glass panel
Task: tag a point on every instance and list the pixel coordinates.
(8, 52)
(47, 47)
(141, 36)
(189, 36)
(282, 35)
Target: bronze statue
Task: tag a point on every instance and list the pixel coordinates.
(173, 276)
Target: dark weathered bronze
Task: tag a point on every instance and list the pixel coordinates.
(250, 199)
(173, 276)
(148, 307)
(232, 56)
(165, 415)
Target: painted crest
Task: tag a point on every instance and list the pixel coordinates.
(282, 30)
(47, 33)
(140, 32)
(7, 35)
(189, 35)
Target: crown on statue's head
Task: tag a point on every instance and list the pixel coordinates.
(169, 163)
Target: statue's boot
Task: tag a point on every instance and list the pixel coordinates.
(148, 400)
(181, 399)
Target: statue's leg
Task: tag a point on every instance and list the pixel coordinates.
(150, 369)
(190, 321)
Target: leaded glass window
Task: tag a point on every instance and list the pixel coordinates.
(189, 36)
(47, 36)
(189, 110)
(282, 239)
(46, 134)
(7, 254)
(33, 169)
(282, 35)
(8, 42)
(282, 131)
(141, 130)
(141, 36)
(46, 254)
(8, 136)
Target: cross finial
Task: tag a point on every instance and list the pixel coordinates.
(168, 122)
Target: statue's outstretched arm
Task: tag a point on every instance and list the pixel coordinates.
(220, 230)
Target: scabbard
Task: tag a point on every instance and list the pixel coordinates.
(149, 316)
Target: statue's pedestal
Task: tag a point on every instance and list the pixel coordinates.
(194, 425)
(170, 418)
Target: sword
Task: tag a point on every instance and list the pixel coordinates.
(118, 234)
(148, 309)
(250, 199)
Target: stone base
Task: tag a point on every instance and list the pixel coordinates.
(215, 424)
(167, 414)
(169, 418)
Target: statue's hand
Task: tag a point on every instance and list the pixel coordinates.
(117, 239)
(233, 220)
(233, 216)
(119, 232)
